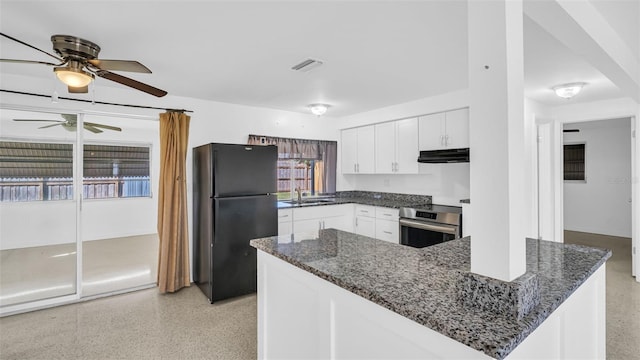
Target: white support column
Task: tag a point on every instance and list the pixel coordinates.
(497, 138)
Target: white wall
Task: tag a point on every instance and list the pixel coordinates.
(602, 205)
(447, 183)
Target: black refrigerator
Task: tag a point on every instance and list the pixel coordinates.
(234, 201)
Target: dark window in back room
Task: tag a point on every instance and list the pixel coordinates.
(574, 160)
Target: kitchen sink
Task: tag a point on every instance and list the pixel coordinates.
(309, 202)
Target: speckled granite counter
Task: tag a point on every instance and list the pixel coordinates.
(421, 284)
(389, 200)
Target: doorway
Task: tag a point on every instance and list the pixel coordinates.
(597, 177)
(77, 209)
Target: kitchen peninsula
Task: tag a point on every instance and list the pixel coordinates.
(335, 294)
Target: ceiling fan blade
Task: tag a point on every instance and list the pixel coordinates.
(56, 121)
(119, 65)
(131, 83)
(92, 129)
(103, 126)
(52, 125)
(28, 62)
(31, 46)
(78, 90)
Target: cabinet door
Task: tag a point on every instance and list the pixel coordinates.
(308, 226)
(366, 150)
(457, 129)
(366, 226)
(338, 222)
(407, 151)
(388, 230)
(385, 147)
(285, 227)
(466, 220)
(431, 130)
(349, 150)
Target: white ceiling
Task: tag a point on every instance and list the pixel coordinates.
(376, 54)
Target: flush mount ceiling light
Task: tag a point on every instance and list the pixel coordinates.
(568, 91)
(73, 75)
(318, 109)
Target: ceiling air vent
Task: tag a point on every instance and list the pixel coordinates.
(307, 65)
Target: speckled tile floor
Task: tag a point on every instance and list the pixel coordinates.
(147, 325)
(139, 325)
(623, 294)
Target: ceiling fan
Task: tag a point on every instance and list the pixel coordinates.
(70, 124)
(78, 65)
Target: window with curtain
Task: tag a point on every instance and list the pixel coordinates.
(308, 165)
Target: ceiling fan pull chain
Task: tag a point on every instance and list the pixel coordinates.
(93, 92)
(54, 95)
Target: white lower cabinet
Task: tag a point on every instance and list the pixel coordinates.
(375, 222)
(285, 221)
(466, 219)
(365, 220)
(314, 218)
(387, 225)
(366, 226)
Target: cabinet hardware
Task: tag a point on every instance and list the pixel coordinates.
(284, 216)
(354, 168)
(387, 232)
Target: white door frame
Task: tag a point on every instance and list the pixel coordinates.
(558, 195)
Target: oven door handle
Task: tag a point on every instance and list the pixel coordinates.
(447, 229)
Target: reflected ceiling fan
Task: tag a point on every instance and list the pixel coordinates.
(70, 124)
(78, 65)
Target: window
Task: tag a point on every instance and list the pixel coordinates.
(574, 160)
(308, 165)
(115, 172)
(31, 171)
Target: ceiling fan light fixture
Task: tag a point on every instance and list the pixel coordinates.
(567, 91)
(73, 77)
(318, 109)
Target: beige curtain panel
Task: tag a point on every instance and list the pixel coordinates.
(173, 259)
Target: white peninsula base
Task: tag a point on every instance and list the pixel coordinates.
(303, 316)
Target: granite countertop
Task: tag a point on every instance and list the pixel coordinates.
(421, 284)
(388, 200)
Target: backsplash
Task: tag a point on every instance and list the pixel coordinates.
(418, 199)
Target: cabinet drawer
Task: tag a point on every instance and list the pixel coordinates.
(387, 213)
(285, 215)
(387, 230)
(365, 210)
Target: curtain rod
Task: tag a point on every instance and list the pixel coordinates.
(96, 102)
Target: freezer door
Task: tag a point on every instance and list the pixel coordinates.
(240, 170)
(234, 261)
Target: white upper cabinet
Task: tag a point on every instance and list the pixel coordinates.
(385, 148)
(457, 129)
(447, 130)
(357, 150)
(397, 147)
(407, 146)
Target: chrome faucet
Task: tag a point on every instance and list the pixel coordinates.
(297, 190)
